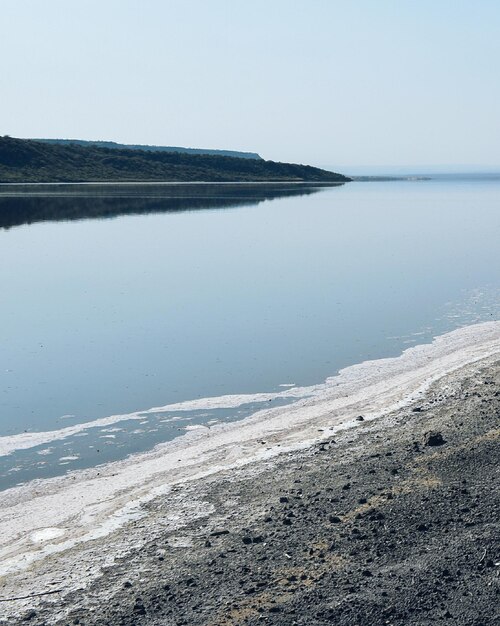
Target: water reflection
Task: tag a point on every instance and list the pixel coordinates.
(28, 204)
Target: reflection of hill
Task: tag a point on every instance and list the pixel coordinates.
(29, 204)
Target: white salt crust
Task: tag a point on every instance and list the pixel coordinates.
(46, 517)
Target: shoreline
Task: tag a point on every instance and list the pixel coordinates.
(290, 392)
(118, 498)
(175, 183)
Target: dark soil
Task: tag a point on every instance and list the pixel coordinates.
(394, 523)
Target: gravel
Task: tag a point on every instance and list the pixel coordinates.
(394, 522)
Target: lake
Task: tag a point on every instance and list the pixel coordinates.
(116, 299)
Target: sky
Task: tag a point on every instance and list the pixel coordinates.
(342, 83)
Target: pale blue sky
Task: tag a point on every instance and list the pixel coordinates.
(328, 82)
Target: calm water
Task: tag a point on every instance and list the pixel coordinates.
(229, 290)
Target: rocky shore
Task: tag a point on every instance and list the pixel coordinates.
(392, 522)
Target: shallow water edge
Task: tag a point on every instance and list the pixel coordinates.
(49, 517)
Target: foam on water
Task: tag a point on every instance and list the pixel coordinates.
(26, 440)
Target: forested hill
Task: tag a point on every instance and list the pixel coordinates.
(123, 146)
(24, 160)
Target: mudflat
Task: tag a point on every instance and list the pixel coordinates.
(394, 521)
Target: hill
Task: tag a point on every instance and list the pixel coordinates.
(25, 160)
(123, 146)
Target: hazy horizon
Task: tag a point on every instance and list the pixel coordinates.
(333, 84)
(403, 169)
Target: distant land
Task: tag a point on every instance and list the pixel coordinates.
(29, 161)
(112, 145)
(410, 172)
(383, 179)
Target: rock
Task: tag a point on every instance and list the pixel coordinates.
(434, 438)
(139, 609)
(334, 519)
(283, 499)
(29, 616)
(218, 533)
(360, 418)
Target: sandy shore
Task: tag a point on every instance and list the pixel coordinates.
(270, 519)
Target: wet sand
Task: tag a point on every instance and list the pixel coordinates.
(308, 518)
